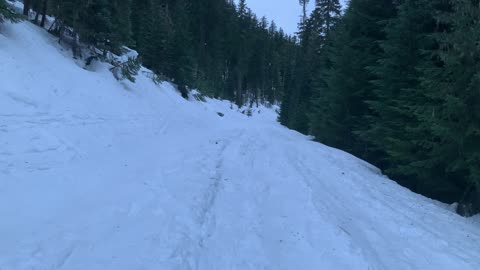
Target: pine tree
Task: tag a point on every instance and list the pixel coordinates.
(66, 13)
(95, 25)
(121, 23)
(349, 81)
(298, 98)
(330, 107)
(100, 23)
(304, 4)
(215, 45)
(394, 128)
(180, 47)
(146, 19)
(330, 13)
(7, 13)
(452, 107)
(321, 114)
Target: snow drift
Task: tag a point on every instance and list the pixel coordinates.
(101, 174)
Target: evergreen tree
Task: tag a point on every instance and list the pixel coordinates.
(214, 45)
(152, 33)
(312, 60)
(100, 23)
(95, 25)
(349, 80)
(329, 106)
(7, 13)
(304, 4)
(66, 12)
(452, 106)
(321, 114)
(121, 23)
(392, 81)
(329, 11)
(239, 60)
(298, 98)
(394, 128)
(182, 60)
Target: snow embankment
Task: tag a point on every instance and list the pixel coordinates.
(101, 174)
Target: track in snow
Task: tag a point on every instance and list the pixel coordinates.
(96, 177)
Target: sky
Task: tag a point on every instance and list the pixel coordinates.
(285, 13)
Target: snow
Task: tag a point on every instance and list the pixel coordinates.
(101, 174)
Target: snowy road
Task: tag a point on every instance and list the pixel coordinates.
(96, 174)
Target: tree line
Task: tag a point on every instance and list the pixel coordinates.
(217, 46)
(396, 82)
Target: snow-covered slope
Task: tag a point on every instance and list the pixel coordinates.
(104, 175)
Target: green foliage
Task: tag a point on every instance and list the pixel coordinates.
(8, 13)
(95, 25)
(103, 24)
(350, 77)
(200, 97)
(65, 11)
(213, 45)
(120, 11)
(396, 83)
(391, 81)
(152, 33)
(127, 69)
(330, 101)
(394, 128)
(314, 35)
(451, 109)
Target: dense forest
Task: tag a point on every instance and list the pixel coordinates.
(395, 82)
(213, 45)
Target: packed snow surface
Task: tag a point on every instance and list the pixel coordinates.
(104, 175)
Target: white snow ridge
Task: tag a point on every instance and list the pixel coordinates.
(97, 174)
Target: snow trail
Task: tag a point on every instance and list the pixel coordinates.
(97, 174)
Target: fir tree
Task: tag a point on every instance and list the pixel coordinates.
(95, 25)
(394, 128)
(121, 23)
(329, 11)
(304, 4)
(180, 47)
(349, 81)
(323, 108)
(452, 107)
(7, 13)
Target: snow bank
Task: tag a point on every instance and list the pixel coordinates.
(101, 174)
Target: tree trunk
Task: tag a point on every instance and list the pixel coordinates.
(304, 18)
(239, 88)
(37, 15)
(26, 6)
(44, 13)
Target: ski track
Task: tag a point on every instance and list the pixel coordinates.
(96, 174)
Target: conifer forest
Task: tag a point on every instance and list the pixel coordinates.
(394, 82)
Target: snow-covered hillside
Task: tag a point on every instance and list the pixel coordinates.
(104, 175)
